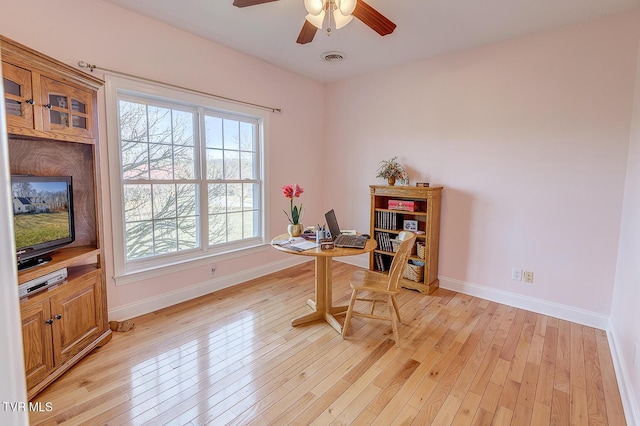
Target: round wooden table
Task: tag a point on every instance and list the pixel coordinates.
(322, 306)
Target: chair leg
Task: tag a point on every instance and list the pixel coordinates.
(395, 306)
(347, 318)
(394, 322)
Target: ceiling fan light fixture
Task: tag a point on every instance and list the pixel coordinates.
(316, 20)
(340, 19)
(314, 7)
(346, 7)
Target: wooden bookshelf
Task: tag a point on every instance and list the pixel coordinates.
(387, 223)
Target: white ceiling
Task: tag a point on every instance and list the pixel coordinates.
(426, 28)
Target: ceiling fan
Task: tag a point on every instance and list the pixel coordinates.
(342, 16)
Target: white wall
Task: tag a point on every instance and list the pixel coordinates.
(625, 315)
(112, 37)
(529, 137)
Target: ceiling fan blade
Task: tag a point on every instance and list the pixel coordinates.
(245, 3)
(373, 19)
(307, 33)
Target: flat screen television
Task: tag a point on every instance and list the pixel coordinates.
(42, 217)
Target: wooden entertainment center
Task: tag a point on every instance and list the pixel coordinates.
(52, 129)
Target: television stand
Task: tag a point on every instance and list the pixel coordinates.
(33, 262)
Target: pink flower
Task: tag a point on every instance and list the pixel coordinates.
(291, 192)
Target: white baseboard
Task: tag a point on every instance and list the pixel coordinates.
(184, 294)
(540, 306)
(629, 401)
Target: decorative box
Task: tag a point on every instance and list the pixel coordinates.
(405, 205)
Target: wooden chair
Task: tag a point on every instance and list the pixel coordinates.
(381, 285)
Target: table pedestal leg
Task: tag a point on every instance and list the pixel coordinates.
(322, 306)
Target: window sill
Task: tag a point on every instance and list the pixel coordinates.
(207, 259)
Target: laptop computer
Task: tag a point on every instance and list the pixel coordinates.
(341, 240)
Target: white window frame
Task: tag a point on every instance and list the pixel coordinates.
(140, 269)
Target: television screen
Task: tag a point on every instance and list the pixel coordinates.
(43, 216)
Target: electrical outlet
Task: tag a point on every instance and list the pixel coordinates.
(516, 274)
(528, 277)
(212, 270)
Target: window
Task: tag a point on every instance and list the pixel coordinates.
(186, 171)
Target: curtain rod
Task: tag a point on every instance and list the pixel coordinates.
(91, 67)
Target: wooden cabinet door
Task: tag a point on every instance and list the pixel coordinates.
(77, 313)
(18, 96)
(67, 109)
(36, 341)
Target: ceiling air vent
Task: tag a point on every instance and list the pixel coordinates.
(333, 56)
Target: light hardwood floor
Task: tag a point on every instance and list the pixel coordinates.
(232, 357)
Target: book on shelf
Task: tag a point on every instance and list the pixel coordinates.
(387, 220)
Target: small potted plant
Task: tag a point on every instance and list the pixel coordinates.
(295, 228)
(390, 170)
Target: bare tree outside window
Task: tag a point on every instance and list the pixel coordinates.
(163, 177)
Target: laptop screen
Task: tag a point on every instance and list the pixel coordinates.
(332, 223)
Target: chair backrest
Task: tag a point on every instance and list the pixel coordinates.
(400, 259)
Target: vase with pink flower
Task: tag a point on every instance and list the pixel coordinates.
(295, 228)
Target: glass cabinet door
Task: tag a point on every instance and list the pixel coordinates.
(18, 95)
(66, 109)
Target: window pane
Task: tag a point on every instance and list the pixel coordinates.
(234, 197)
(139, 239)
(248, 196)
(250, 221)
(187, 199)
(184, 162)
(188, 231)
(133, 121)
(247, 165)
(247, 140)
(217, 229)
(137, 203)
(160, 162)
(159, 124)
(231, 164)
(183, 128)
(165, 235)
(214, 164)
(217, 198)
(135, 160)
(231, 134)
(213, 131)
(234, 226)
(164, 201)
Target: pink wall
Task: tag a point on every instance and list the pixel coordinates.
(625, 315)
(529, 137)
(109, 36)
